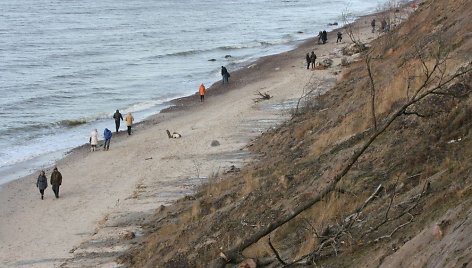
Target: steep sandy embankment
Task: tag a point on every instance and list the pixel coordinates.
(394, 193)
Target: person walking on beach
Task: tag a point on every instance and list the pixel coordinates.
(201, 91)
(42, 183)
(340, 37)
(117, 116)
(325, 36)
(313, 59)
(308, 61)
(93, 140)
(320, 37)
(107, 135)
(372, 23)
(129, 122)
(56, 181)
(225, 74)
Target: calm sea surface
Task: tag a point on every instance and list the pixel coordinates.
(66, 65)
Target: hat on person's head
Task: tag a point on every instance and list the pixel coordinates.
(55, 168)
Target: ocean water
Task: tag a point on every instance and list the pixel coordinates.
(66, 66)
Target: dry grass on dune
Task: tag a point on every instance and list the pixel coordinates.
(421, 162)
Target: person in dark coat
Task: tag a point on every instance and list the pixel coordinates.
(308, 61)
(372, 23)
(320, 37)
(340, 37)
(117, 116)
(42, 183)
(56, 181)
(325, 37)
(313, 59)
(225, 74)
(107, 135)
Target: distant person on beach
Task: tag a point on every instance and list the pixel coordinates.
(117, 116)
(93, 140)
(308, 61)
(372, 23)
(340, 37)
(129, 122)
(107, 135)
(225, 74)
(201, 91)
(313, 59)
(325, 37)
(42, 183)
(56, 181)
(320, 37)
(383, 25)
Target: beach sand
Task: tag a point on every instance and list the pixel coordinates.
(107, 194)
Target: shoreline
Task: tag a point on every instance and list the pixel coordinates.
(90, 179)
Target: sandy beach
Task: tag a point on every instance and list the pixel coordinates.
(107, 194)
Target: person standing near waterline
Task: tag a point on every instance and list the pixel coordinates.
(117, 116)
(42, 183)
(129, 122)
(107, 135)
(56, 181)
(202, 90)
(93, 140)
(225, 74)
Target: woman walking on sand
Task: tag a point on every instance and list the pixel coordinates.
(93, 140)
(129, 122)
(42, 183)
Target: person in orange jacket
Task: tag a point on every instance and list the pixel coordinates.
(201, 90)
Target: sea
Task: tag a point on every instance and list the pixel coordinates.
(67, 65)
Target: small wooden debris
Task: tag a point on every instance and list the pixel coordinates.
(262, 96)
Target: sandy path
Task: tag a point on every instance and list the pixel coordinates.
(105, 193)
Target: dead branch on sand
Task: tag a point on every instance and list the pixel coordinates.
(262, 96)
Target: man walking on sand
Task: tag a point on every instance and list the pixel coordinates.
(117, 116)
(201, 91)
(129, 122)
(56, 181)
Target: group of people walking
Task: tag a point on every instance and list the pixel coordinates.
(56, 176)
(56, 181)
(107, 134)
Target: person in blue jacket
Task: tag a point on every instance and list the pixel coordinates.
(107, 134)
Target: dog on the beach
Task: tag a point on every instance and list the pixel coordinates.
(174, 135)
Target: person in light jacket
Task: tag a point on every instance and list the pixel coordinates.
(129, 122)
(56, 181)
(42, 183)
(93, 140)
